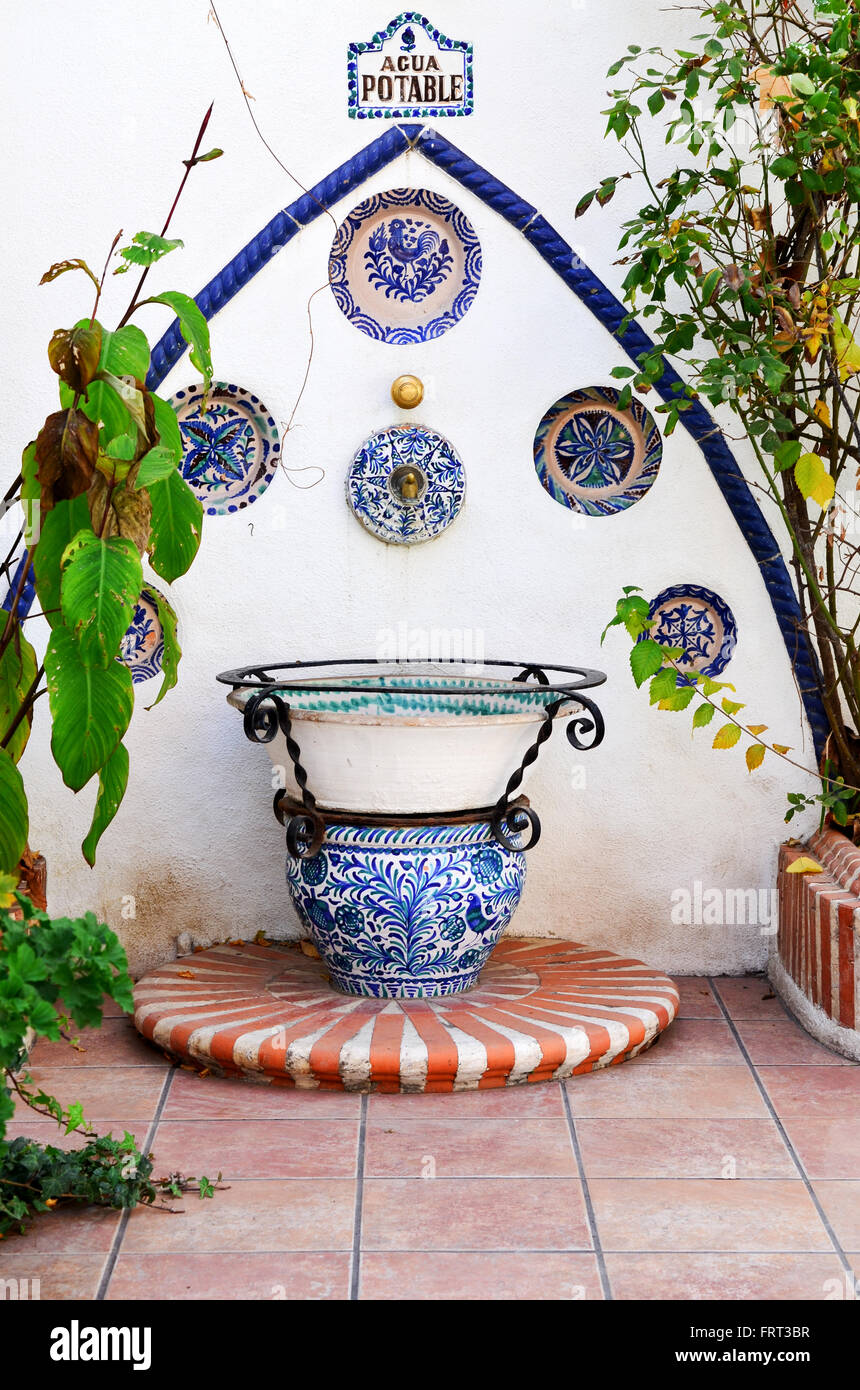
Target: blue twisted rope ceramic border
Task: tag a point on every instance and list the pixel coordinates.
(591, 291)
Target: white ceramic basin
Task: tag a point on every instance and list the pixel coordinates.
(404, 751)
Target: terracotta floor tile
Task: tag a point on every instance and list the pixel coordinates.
(841, 1203)
(812, 1091)
(116, 1043)
(255, 1216)
(47, 1132)
(104, 1092)
(297, 1275)
(60, 1276)
(541, 1100)
(708, 1042)
(678, 1092)
(749, 996)
(464, 1276)
(215, 1098)
(400, 1148)
(707, 1214)
(697, 998)
(781, 1040)
(258, 1148)
(661, 1148)
(474, 1214)
(829, 1148)
(805, 1278)
(66, 1230)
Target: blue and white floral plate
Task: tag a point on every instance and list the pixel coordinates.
(405, 265)
(699, 621)
(594, 458)
(230, 452)
(437, 476)
(142, 647)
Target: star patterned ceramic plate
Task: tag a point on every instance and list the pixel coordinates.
(405, 266)
(229, 453)
(406, 484)
(699, 621)
(594, 458)
(142, 647)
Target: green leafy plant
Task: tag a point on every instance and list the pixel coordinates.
(745, 258)
(100, 488)
(55, 973)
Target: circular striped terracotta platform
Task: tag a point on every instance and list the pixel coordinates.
(543, 1009)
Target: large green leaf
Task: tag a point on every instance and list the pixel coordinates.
(167, 425)
(90, 709)
(101, 581)
(59, 527)
(157, 464)
(192, 326)
(103, 405)
(14, 821)
(172, 649)
(113, 779)
(125, 352)
(18, 668)
(177, 518)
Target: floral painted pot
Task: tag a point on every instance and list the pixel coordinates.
(400, 751)
(407, 912)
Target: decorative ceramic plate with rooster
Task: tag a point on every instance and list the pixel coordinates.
(230, 449)
(405, 265)
(593, 457)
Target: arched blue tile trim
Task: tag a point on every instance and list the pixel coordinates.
(591, 291)
(274, 236)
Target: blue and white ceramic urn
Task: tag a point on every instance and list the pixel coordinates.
(407, 912)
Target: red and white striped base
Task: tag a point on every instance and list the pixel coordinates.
(543, 1009)
(816, 965)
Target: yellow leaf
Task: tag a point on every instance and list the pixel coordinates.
(821, 411)
(756, 728)
(755, 756)
(846, 350)
(727, 736)
(781, 747)
(813, 479)
(803, 865)
(8, 884)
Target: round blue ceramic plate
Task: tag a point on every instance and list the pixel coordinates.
(375, 491)
(594, 458)
(142, 647)
(698, 621)
(230, 450)
(405, 265)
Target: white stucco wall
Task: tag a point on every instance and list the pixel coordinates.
(99, 107)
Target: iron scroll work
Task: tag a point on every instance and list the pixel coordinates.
(267, 712)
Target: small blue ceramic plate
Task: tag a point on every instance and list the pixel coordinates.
(231, 451)
(697, 619)
(142, 647)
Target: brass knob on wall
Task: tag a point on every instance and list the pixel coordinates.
(407, 392)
